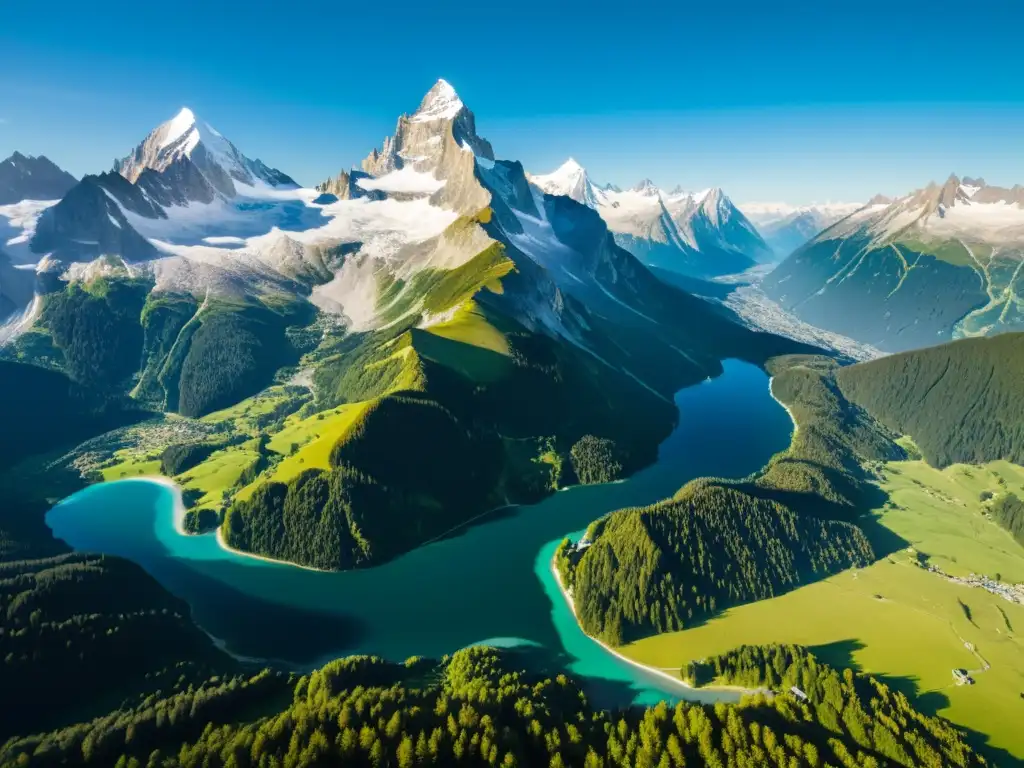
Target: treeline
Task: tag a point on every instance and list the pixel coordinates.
(855, 707)
(961, 402)
(181, 457)
(407, 472)
(1008, 511)
(79, 622)
(477, 709)
(234, 353)
(666, 567)
(113, 330)
(822, 472)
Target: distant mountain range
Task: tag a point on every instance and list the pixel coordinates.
(943, 262)
(786, 227)
(699, 234)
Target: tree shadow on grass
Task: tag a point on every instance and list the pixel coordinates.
(840, 655)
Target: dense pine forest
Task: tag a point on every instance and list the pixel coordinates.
(961, 402)
(877, 718)
(668, 566)
(42, 410)
(409, 471)
(477, 708)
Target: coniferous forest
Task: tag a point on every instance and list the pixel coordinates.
(477, 708)
(961, 402)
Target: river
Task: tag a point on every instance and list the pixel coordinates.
(489, 583)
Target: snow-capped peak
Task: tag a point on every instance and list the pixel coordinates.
(440, 103)
(569, 179)
(176, 127)
(187, 138)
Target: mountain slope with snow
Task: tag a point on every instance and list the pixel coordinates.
(786, 227)
(696, 234)
(943, 262)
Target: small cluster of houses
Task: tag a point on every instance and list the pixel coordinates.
(1011, 592)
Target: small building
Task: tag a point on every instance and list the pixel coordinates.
(962, 678)
(798, 693)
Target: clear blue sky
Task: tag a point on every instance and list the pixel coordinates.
(770, 100)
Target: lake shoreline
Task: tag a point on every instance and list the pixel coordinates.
(796, 427)
(632, 662)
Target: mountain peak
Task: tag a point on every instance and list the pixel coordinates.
(186, 139)
(570, 166)
(24, 177)
(440, 103)
(569, 179)
(646, 187)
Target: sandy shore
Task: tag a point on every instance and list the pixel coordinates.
(652, 670)
(632, 662)
(785, 407)
(179, 524)
(224, 545)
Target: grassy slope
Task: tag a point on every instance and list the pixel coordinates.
(896, 619)
(219, 473)
(315, 435)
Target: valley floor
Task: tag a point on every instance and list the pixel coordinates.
(898, 620)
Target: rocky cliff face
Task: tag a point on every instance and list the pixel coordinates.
(32, 178)
(439, 140)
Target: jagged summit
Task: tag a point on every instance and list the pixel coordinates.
(571, 180)
(437, 143)
(646, 187)
(440, 103)
(24, 177)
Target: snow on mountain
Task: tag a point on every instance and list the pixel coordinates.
(187, 139)
(786, 227)
(571, 180)
(696, 233)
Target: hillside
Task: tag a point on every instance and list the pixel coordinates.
(666, 567)
(961, 402)
(479, 708)
(939, 264)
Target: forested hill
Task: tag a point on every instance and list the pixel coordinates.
(478, 708)
(960, 402)
(41, 410)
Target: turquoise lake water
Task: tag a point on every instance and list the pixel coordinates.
(489, 583)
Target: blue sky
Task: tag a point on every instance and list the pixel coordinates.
(793, 101)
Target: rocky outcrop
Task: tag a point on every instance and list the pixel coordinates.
(24, 177)
(439, 139)
(88, 223)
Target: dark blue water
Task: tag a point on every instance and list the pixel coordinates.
(490, 583)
